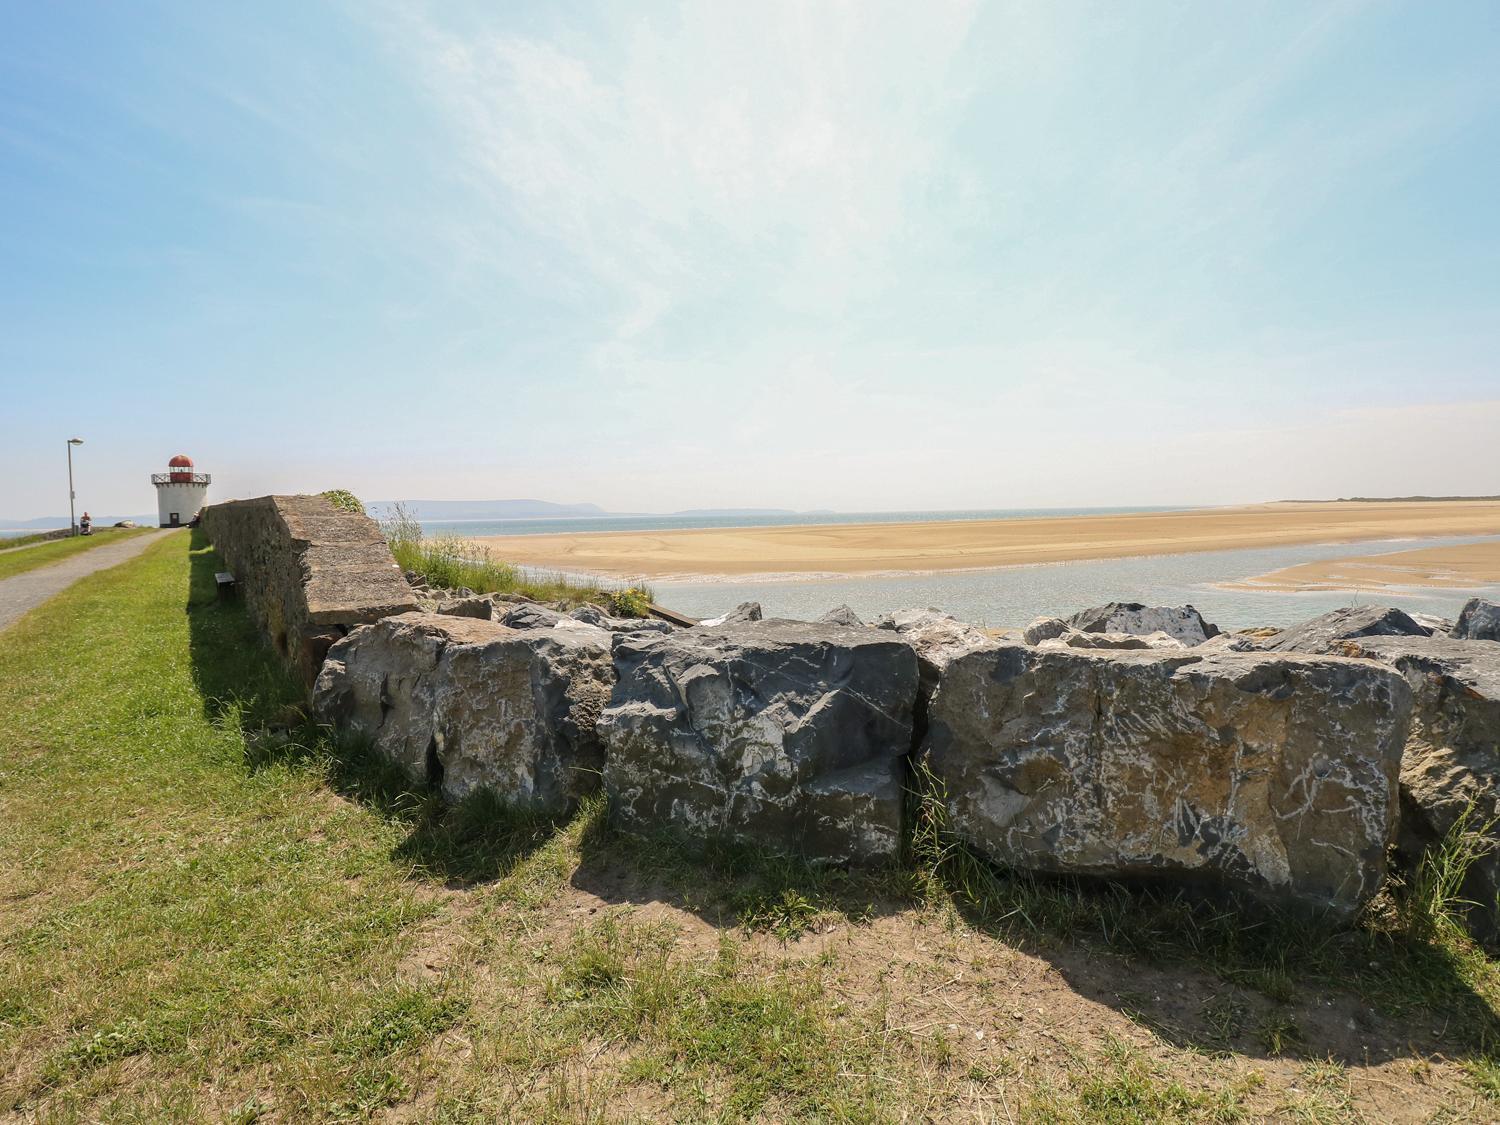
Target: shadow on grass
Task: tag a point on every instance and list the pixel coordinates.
(1258, 980)
(245, 684)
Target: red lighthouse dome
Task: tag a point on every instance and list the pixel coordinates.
(182, 468)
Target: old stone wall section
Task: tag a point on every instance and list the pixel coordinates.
(308, 571)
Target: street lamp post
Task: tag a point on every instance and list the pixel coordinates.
(72, 523)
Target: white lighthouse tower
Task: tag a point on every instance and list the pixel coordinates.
(180, 492)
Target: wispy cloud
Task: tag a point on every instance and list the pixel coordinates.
(776, 151)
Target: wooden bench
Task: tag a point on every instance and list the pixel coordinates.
(224, 581)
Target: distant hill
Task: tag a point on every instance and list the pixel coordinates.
(1392, 500)
(707, 512)
(489, 509)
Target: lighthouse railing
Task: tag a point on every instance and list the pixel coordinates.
(181, 478)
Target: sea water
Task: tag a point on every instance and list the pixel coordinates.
(1016, 595)
(571, 525)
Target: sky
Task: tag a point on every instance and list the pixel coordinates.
(858, 256)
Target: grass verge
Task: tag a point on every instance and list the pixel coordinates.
(210, 912)
(45, 554)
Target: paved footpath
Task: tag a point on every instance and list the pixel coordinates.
(24, 592)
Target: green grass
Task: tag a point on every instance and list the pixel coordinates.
(212, 912)
(209, 911)
(27, 540)
(58, 549)
(452, 562)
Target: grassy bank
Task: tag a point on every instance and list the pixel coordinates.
(452, 562)
(55, 550)
(209, 912)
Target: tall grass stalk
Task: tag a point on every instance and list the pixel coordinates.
(453, 562)
(1434, 903)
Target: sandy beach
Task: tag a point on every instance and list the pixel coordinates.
(894, 548)
(1464, 566)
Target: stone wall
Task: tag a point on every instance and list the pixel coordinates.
(1275, 766)
(309, 572)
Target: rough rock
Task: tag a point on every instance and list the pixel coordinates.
(468, 704)
(937, 637)
(1433, 623)
(1479, 620)
(528, 615)
(1325, 634)
(1452, 757)
(1073, 638)
(1231, 642)
(741, 614)
(1270, 774)
(842, 615)
(1044, 629)
(593, 615)
(126, 523)
(477, 606)
(1183, 622)
(789, 735)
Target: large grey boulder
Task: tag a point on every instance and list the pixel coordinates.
(468, 704)
(1045, 629)
(1274, 775)
(937, 637)
(1479, 620)
(741, 614)
(1230, 642)
(1452, 758)
(1326, 633)
(1073, 638)
(528, 615)
(786, 734)
(594, 615)
(1182, 622)
(477, 606)
(842, 615)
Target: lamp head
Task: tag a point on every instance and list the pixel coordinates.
(75, 441)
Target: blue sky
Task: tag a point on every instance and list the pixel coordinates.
(854, 256)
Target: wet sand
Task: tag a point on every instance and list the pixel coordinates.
(1465, 566)
(895, 548)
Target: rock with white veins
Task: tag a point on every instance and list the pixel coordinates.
(1274, 775)
(1181, 622)
(1478, 621)
(1327, 633)
(936, 636)
(1044, 629)
(790, 735)
(468, 704)
(1451, 770)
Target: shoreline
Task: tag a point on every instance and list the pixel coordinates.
(1462, 566)
(808, 552)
